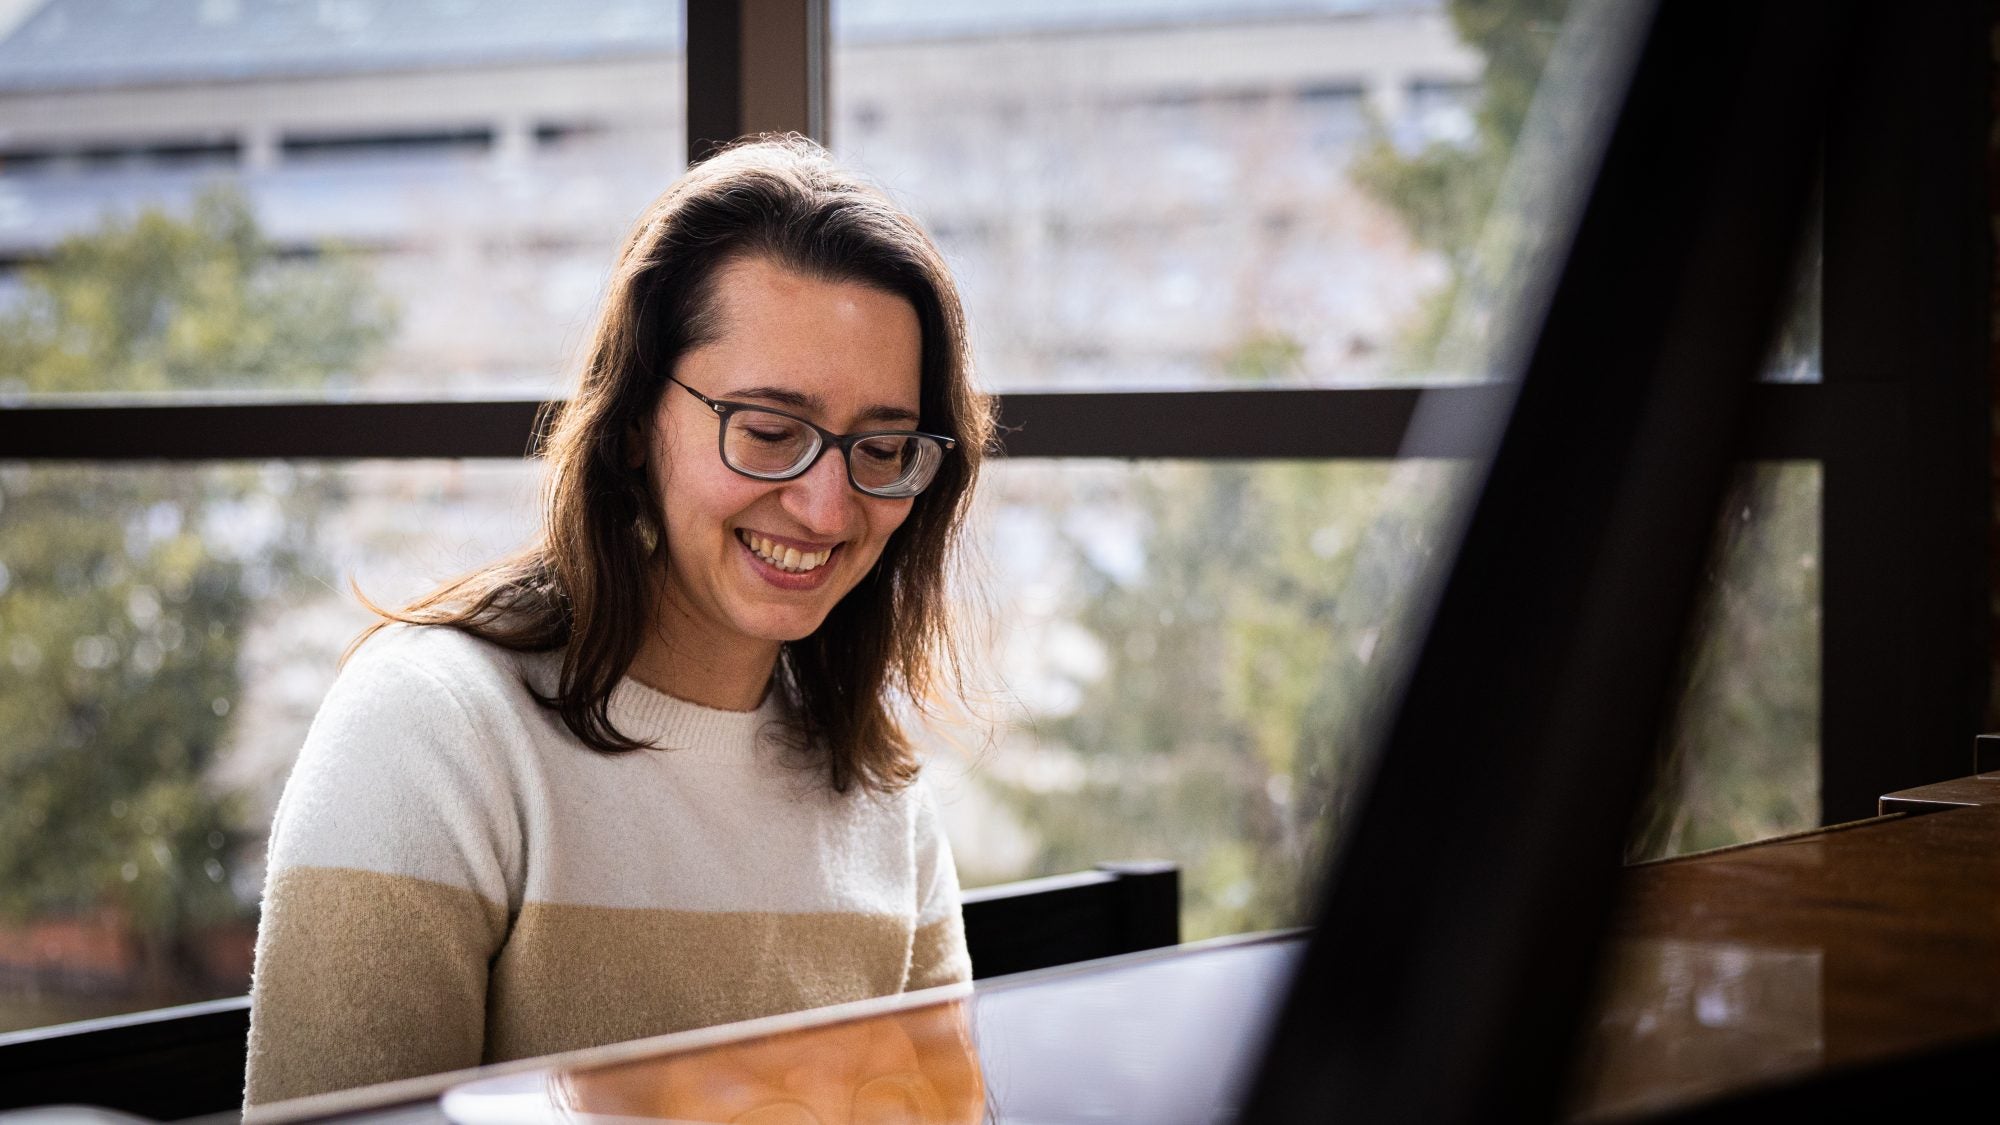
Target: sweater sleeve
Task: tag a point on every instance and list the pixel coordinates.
(387, 892)
(938, 954)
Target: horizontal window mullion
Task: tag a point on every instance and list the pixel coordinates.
(1789, 422)
(261, 430)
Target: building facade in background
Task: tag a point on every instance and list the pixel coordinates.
(1128, 190)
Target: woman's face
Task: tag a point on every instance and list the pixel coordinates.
(841, 354)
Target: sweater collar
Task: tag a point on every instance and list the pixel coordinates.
(654, 716)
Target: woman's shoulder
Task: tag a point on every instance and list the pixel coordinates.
(412, 765)
(438, 664)
(407, 685)
(904, 807)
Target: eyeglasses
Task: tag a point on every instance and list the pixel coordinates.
(768, 444)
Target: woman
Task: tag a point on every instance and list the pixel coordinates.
(647, 775)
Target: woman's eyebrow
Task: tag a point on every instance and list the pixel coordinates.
(889, 414)
(813, 404)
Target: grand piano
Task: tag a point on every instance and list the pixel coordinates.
(1839, 973)
(1848, 972)
(1478, 952)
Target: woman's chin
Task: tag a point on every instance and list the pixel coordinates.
(782, 628)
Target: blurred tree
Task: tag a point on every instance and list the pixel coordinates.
(1741, 759)
(1241, 668)
(123, 590)
(1445, 190)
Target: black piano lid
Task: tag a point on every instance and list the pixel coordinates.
(1455, 945)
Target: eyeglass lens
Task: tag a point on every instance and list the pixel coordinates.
(777, 447)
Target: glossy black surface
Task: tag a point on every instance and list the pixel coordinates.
(1163, 1037)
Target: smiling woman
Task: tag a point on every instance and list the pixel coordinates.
(645, 775)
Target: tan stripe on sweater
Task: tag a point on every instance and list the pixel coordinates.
(578, 976)
(937, 954)
(350, 964)
(364, 977)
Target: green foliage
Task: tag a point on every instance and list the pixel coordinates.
(1265, 357)
(160, 303)
(1241, 666)
(120, 641)
(124, 591)
(1445, 191)
(1740, 762)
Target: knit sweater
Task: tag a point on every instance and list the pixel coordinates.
(456, 879)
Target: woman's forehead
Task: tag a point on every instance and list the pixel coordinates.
(756, 292)
(809, 343)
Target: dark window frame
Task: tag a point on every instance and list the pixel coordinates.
(1789, 422)
(1900, 424)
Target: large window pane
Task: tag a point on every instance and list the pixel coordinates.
(166, 635)
(1189, 193)
(1168, 193)
(1184, 665)
(470, 168)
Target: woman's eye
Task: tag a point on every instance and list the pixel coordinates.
(883, 452)
(769, 435)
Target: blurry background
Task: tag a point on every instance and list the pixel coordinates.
(1171, 659)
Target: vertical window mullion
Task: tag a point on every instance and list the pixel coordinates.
(1906, 319)
(755, 66)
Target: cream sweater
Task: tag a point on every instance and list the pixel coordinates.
(455, 879)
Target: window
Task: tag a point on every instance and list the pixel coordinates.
(1250, 243)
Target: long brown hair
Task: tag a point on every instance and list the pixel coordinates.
(582, 586)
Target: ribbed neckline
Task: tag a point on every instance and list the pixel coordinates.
(669, 722)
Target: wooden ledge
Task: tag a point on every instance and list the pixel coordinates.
(1958, 793)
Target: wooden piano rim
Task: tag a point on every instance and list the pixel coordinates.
(1900, 911)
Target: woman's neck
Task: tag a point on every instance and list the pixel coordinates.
(709, 679)
(679, 658)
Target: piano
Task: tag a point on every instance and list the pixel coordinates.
(1852, 968)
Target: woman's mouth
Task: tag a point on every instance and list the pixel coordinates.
(791, 560)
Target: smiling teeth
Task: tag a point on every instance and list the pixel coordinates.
(784, 558)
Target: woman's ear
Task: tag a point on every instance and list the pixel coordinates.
(635, 447)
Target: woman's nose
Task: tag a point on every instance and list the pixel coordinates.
(822, 499)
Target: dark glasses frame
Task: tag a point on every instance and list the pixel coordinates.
(723, 408)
